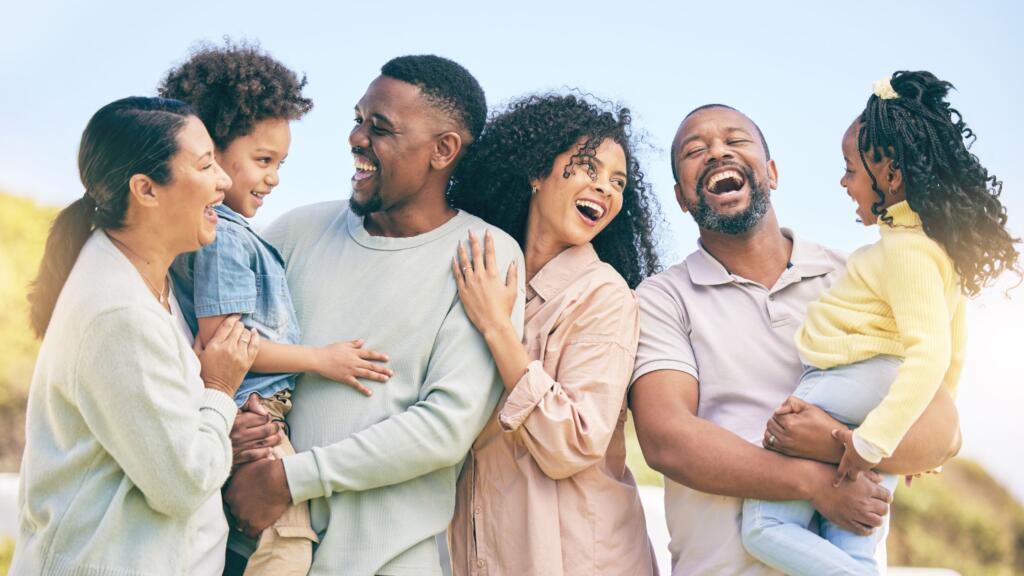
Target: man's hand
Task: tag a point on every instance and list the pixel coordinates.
(802, 430)
(254, 433)
(852, 465)
(856, 505)
(258, 495)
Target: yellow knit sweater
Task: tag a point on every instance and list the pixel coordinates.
(900, 296)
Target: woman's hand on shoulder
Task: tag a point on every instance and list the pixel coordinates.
(228, 355)
(487, 296)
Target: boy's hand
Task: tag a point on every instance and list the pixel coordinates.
(852, 464)
(346, 361)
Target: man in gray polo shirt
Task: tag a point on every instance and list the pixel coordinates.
(716, 358)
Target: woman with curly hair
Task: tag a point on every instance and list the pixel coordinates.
(881, 342)
(545, 489)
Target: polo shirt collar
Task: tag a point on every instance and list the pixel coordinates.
(557, 274)
(807, 260)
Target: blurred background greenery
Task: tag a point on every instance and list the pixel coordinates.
(961, 519)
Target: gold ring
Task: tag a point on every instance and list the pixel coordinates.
(464, 268)
(244, 340)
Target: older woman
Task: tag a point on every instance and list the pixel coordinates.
(546, 489)
(127, 441)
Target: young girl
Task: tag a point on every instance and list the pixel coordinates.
(247, 99)
(879, 344)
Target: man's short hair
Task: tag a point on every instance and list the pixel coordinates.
(675, 145)
(446, 85)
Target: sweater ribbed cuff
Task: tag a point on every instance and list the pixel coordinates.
(867, 449)
(303, 477)
(220, 403)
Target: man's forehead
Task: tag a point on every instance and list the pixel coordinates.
(714, 118)
(391, 94)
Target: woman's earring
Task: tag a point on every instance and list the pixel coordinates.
(534, 192)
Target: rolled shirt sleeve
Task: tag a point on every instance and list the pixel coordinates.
(566, 419)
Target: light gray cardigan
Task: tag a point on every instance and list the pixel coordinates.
(123, 442)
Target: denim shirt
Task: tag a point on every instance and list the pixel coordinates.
(239, 273)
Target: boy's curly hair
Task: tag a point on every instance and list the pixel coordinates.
(234, 87)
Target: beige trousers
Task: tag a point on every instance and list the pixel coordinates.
(286, 548)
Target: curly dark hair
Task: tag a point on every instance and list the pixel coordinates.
(945, 184)
(520, 144)
(234, 87)
(446, 85)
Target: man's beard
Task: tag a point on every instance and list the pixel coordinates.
(374, 204)
(745, 221)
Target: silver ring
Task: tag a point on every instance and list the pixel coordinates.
(244, 340)
(464, 268)
(771, 439)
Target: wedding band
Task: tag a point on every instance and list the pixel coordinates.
(464, 268)
(771, 439)
(244, 340)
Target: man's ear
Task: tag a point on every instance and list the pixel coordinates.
(773, 175)
(446, 150)
(143, 189)
(679, 197)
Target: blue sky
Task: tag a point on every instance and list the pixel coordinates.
(801, 70)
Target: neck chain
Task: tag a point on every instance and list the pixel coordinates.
(161, 295)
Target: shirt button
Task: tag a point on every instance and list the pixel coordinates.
(477, 511)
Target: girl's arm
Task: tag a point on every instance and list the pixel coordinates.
(342, 361)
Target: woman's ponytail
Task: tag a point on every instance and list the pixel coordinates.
(68, 234)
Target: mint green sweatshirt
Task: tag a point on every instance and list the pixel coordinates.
(380, 471)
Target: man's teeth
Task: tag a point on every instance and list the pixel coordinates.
(364, 166)
(594, 210)
(722, 176)
(259, 195)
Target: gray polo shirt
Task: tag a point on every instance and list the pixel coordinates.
(736, 337)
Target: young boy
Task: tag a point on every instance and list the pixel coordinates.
(247, 99)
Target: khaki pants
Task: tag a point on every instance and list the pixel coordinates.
(286, 548)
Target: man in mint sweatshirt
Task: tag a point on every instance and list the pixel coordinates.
(380, 472)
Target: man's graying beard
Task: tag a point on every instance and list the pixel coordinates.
(708, 219)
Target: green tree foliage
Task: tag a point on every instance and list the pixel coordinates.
(23, 229)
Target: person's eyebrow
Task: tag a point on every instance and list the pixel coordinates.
(203, 157)
(382, 119)
(600, 164)
(731, 129)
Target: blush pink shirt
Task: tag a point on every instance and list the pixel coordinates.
(545, 489)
